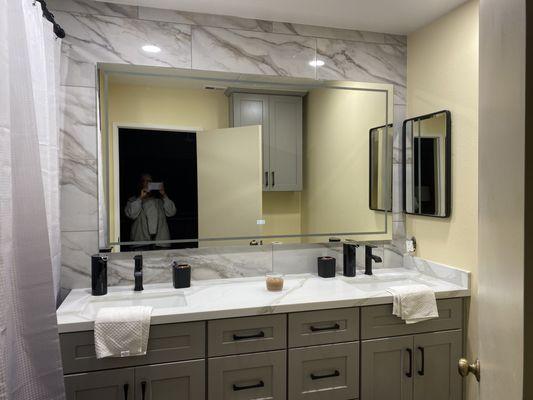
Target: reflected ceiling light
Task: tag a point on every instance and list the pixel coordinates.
(316, 63)
(150, 48)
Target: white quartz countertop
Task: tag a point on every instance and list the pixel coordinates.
(227, 298)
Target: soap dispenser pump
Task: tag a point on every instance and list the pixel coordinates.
(349, 258)
(98, 275)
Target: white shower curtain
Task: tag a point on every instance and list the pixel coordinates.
(30, 363)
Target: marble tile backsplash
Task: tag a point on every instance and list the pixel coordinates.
(105, 32)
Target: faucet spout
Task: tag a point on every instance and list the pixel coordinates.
(138, 273)
(369, 257)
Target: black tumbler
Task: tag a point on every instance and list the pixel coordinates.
(181, 275)
(99, 275)
(348, 258)
(326, 267)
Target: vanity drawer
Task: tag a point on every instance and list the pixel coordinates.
(321, 327)
(319, 372)
(169, 342)
(246, 335)
(249, 376)
(378, 321)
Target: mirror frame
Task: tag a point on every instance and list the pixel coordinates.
(390, 183)
(447, 167)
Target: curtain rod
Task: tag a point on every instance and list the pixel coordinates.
(60, 32)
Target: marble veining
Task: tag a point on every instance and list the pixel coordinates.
(219, 49)
(224, 298)
(108, 32)
(96, 38)
(77, 133)
(364, 62)
(93, 8)
(193, 18)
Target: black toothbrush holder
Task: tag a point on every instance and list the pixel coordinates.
(326, 267)
(181, 275)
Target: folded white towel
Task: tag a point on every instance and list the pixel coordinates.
(122, 331)
(414, 303)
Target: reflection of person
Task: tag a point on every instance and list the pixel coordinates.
(149, 212)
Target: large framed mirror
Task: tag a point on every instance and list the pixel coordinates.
(427, 165)
(194, 159)
(380, 166)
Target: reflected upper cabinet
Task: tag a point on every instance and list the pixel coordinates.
(280, 117)
(427, 165)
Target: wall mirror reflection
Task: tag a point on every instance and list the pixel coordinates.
(380, 166)
(427, 164)
(195, 159)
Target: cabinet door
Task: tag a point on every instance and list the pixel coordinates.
(115, 384)
(387, 369)
(436, 376)
(181, 380)
(252, 109)
(285, 143)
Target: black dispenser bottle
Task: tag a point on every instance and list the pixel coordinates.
(138, 273)
(348, 258)
(98, 275)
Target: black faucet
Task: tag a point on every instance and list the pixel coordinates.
(369, 257)
(138, 273)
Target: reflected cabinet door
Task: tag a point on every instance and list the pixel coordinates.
(427, 164)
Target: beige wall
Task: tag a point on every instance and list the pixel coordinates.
(442, 73)
(335, 197)
(206, 109)
(161, 106)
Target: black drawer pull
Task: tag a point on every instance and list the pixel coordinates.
(409, 373)
(325, 328)
(143, 389)
(421, 371)
(260, 384)
(253, 336)
(126, 390)
(335, 373)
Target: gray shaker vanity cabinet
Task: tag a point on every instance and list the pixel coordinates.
(280, 117)
(248, 376)
(180, 380)
(385, 369)
(436, 375)
(416, 367)
(327, 371)
(116, 384)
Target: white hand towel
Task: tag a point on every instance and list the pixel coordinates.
(122, 331)
(413, 303)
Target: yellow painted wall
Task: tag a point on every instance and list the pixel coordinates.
(206, 109)
(442, 73)
(335, 197)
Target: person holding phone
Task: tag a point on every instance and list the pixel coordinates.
(149, 211)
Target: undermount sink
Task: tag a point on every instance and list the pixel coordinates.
(156, 299)
(380, 285)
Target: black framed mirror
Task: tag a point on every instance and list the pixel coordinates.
(427, 165)
(380, 168)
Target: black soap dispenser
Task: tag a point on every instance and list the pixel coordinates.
(98, 275)
(348, 258)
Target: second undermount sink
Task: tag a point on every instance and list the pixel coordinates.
(380, 285)
(155, 299)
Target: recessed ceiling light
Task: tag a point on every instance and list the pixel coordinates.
(316, 63)
(150, 48)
